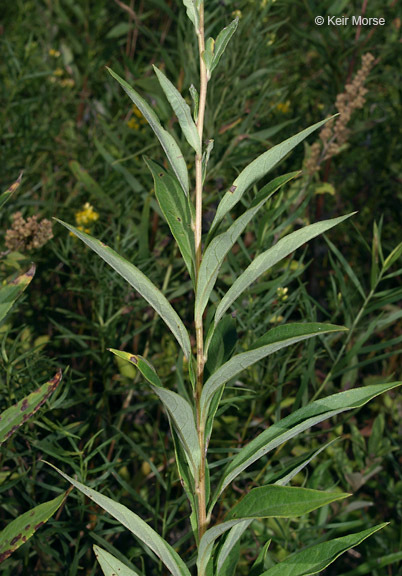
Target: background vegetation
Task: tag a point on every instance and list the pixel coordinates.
(80, 145)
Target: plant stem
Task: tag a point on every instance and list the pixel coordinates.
(200, 481)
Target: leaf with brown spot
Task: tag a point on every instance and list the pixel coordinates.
(10, 191)
(22, 528)
(12, 418)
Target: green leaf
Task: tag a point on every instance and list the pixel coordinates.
(5, 196)
(10, 291)
(110, 565)
(90, 184)
(295, 424)
(167, 141)
(274, 340)
(143, 365)
(272, 256)
(22, 528)
(196, 101)
(15, 416)
(219, 247)
(222, 41)
(316, 558)
(207, 543)
(235, 533)
(181, 109)
(347, 268)
(257, 170)
(192, 12)
(182, 416)
(136, 525)
(179, 410)
(176, 210)
(275, 501)
(392, 257)
(260, 561)
(208, 55)
(139, 282)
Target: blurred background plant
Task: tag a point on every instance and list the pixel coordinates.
(80, 144)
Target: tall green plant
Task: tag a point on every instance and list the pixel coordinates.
(214, 363)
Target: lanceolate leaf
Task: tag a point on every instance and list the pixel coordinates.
(145, 367)
(179, 410)
(282, 502)
(295, 424)
(12, 418)
(176, 209)
(21, 529)
(274, 340)
(316, 558)
(207, 543)
(137, 526)
(10, 291)
(257, 170)
(222, 41)
(110, 565)
(235, 533)
(167, 141)
(139, 282)
(181, 109)
(272, 256)
(220, 246)
(192, 12)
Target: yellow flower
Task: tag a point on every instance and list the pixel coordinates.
(54, 53)
(276, 319)
(133, 123)
(67, 83)
(85, 217)
(282, 293)
(283, 107)
(58, 72)
(237, 14)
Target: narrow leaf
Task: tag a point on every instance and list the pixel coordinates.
(5, 196)
(347, 268)
(282, 502)
(179, 410)
(176, 210)
(110, 565)
(258, 169)
(136, 525)
(90, 184)
(22, 528)
(11, 290)
(222, 41)
(272, 256)
(274, 340)
(305, 461)
(219, 247)
(208, 540)
(143, 365)
(296, 423)
(15, 416)
(167, 141)
(316, 558)
(192, 12)
(181, 109)
(139, 282)
(196, 101)
(235, 533)
(393, 257)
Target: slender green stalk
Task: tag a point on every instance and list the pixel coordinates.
(200, 483)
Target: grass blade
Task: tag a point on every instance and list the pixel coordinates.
(110, 565)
